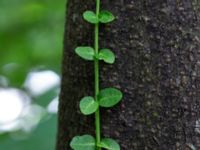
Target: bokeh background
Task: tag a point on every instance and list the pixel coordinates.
(31, 35)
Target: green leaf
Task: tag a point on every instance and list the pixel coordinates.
(109, 97)
(88, 105)
(107, 55)
(90, 17)
(85, 142)
(86, 53)
(109, 144)
(106, 17)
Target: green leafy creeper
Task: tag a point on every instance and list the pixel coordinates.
(108, 97)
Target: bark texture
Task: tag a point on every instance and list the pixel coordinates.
(157, 44)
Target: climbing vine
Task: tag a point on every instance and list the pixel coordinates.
(107, 97)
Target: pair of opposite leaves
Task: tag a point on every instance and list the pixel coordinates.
(107, 98)
(88, 53)
(87, 142)
(103, 17)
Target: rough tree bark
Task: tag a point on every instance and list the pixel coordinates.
(157, 44)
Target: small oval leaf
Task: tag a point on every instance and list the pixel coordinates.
(109, 144)
(85, 142)
(88, 105)
(109, 97)
(107, 55)
(90, 17)
(85, 52)
(106, 17)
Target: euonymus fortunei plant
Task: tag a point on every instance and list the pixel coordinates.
(103, 98)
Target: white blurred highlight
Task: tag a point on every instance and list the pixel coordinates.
(42, 81)
(12, 102)
(53, 106)
(17, 112)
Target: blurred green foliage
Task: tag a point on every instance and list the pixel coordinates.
(31, 35)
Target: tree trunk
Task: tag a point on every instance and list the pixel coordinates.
(157, 44)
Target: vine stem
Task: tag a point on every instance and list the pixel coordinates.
(96, 70)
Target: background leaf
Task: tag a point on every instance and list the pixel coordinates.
(109, 97)
(106, 17)
(88, 105)
(91, 17)
(85, 142)
(107, 55)
(86, 53)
